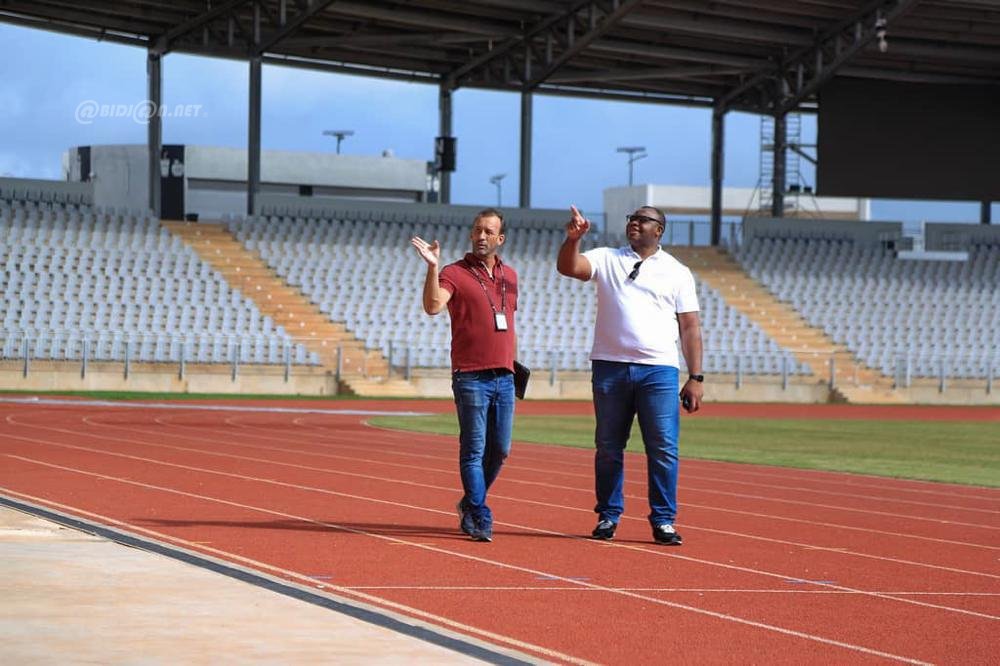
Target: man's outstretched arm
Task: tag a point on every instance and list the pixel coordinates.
(570, 262)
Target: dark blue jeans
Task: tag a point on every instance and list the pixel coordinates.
(484, 401)
(622, 391)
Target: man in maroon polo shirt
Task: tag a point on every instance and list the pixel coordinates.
(480, 292)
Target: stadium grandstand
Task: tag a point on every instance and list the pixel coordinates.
(188, 287)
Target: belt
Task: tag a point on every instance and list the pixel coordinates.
(487, 372)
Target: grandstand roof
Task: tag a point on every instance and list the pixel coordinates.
(755, 55)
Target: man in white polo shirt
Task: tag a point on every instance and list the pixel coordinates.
(646, 301)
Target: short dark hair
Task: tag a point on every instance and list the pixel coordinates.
(660, 213)
(491, 212)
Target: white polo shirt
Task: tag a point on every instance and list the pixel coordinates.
(637, 319)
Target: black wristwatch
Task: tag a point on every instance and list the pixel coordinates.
(697, 378)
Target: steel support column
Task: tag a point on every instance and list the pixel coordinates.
(444, 122)
(154, 130)
(524, 200)
(253, 124)
(253, 136)
(984, 212)
(778, 184)
(718, 165)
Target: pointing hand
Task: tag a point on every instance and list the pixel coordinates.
(578, 225)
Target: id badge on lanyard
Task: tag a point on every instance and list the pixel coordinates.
(499, 318)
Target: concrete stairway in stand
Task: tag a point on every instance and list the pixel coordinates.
(246, 271)
(853, 380)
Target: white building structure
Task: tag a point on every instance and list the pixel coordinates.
(210, 181)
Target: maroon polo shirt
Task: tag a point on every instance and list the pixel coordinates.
(475, 342)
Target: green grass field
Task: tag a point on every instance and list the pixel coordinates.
(955, 452)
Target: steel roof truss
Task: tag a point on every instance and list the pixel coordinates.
(781, 87)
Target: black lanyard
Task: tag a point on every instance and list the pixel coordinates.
(498, 269)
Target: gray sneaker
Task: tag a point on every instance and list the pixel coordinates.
(484, 534)
(604, 531)
(465, 521)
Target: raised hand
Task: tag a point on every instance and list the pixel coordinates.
(578, 225)
(431, 252)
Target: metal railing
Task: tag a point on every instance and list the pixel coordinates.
(403, 358)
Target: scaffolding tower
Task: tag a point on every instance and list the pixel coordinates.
(795, 151)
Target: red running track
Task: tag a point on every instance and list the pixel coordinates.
(779, 565)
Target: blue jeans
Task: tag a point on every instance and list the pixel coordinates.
(621, 391)
(484, 401)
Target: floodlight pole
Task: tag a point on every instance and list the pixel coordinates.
(496, 181)
(340, 135)
(635, 153)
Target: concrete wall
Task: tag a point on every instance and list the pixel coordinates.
(942, 236)
(435, 383)
(862, 232)
(576, 386)
(344, 208)
(956, 392)
(307, 168)
(736, 202)
(219, 174)
(163, 378)
(120, 175)
(213, 200)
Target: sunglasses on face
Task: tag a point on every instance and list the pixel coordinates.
(635, 217)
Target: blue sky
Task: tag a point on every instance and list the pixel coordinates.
(46, 76)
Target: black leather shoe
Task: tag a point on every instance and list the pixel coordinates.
(667, 535)
(605, 530)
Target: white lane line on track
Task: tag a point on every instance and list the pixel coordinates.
(691, 525)
(345, 412)
(171, 406)
(698, 590)
(509, 479)
(840, 479)
(205, 408)
(784, 487)
(857, 480)
(879, 498)
(687, 485)
(517, 499)
(522, 527)
(370, 477)
(405, 437)
(496, 496)
(310, 583)
(495, 563)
